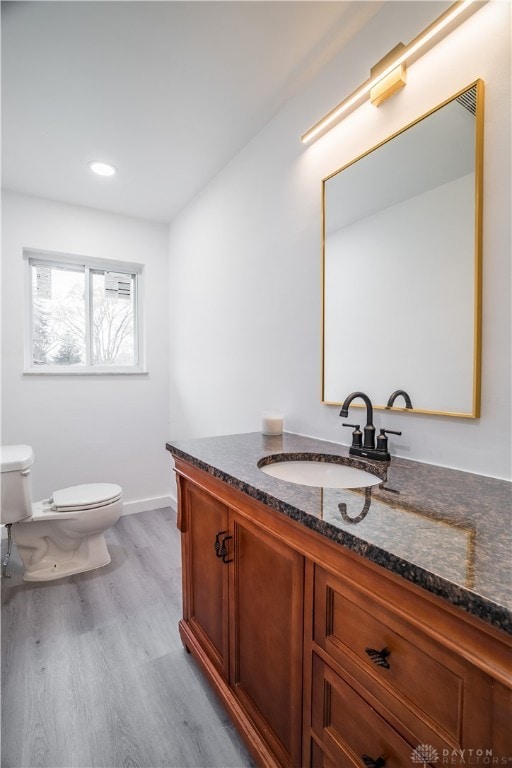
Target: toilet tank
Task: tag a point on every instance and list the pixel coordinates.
(15, 461)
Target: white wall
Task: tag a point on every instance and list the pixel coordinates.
(87, 428)
(245, 255)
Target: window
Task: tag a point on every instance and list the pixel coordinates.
(84, 315)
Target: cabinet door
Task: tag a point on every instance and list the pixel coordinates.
(266, 592)
(205, 577)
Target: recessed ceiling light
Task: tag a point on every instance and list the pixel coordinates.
(102, 169)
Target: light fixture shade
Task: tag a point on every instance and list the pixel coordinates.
(102, 169)
(389, 79)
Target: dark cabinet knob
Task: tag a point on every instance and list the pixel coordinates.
(379, 657)
(371, 763)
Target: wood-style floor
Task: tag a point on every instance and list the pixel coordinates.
(93, 670)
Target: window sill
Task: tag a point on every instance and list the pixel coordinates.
(86, 372)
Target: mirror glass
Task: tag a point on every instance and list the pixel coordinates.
(401, 265)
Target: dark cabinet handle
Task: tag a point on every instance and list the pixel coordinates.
(379, 657)
(371, 763)
(218, 544)
(223, 550)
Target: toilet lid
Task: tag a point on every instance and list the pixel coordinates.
(87, 496)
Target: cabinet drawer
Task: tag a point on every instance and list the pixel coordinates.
(352, 732)
(404, 669)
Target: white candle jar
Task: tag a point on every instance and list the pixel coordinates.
(272, 423)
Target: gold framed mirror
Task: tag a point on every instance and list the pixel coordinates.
(402, 261)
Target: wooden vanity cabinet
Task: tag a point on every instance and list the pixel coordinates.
(321, 657)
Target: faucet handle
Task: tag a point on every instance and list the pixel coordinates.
(382, 440)
(357, 435)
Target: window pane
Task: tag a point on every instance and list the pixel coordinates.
(58, 316)
(113, 301)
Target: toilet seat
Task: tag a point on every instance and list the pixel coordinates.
(81, 497)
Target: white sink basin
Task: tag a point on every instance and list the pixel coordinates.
(322, 474)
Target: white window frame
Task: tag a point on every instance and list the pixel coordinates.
(89, 264)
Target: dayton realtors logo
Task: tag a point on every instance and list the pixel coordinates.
(426, 754)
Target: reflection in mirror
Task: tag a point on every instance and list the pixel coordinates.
(402, 253)
(380, 525)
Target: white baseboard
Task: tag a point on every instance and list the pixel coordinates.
(145, 505)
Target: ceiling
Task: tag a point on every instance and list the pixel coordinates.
(168, 92)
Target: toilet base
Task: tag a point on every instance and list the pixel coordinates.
(60, 570)
(47, 560)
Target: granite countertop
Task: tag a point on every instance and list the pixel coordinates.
(447, 531)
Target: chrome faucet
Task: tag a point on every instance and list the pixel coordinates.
(396, 394)
(366, 446)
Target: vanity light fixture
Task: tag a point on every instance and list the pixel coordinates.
(102, 169)
(388, 75)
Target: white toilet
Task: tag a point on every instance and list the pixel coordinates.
(61, 535)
